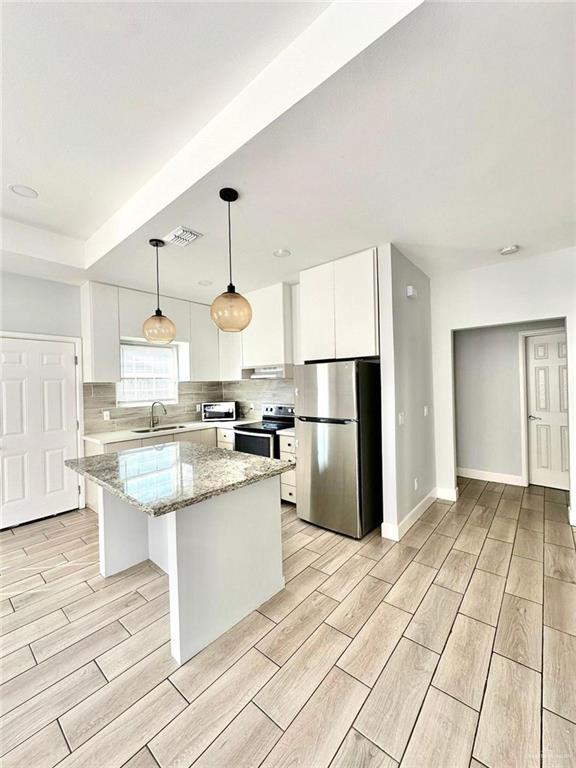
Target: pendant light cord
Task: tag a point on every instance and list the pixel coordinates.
(231, 288)
(157, 283)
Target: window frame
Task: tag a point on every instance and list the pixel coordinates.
(147, 403)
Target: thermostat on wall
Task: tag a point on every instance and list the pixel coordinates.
(411, 292)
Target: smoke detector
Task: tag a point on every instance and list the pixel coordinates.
(181, 236)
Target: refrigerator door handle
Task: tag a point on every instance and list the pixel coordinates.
(322, 420)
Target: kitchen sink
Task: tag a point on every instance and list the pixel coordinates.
(167, 428)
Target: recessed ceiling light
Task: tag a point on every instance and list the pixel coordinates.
(23, 191)
(509, 250)
(204, 282)
(281, 253)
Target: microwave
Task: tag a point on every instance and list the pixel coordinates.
(219, 411)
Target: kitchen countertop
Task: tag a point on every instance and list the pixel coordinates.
(289, 432)
(163, 478)
(119, 436)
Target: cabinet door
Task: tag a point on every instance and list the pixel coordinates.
(125, 445)
(268, 338)
(356, 320)
(317, 338)
(189, 437)
(208, 436)
(100, 333)
(178, 311)
(157, 440)
(204, 358)
(230, 356)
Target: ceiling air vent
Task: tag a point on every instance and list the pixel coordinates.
(181, 236)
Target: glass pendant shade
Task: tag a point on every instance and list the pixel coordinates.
(159, 329)
(231, 312)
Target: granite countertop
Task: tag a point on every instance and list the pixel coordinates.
(122, 435)
(163, 478)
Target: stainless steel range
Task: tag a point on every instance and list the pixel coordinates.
(260, 437)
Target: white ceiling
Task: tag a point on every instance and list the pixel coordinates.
(98, 96)
(451, 136)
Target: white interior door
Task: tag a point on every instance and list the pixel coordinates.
(548, 410)
(39, 429)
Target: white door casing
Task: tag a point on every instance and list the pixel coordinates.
(547, 400)
(39, 429)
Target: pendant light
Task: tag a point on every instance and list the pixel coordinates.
(158, 329)
(230, 311)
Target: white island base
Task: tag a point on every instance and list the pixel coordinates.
(223, 557)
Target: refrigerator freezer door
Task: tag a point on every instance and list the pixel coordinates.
(327, 475)
(326, 390)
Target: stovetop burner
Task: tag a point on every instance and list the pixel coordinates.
(274, 418)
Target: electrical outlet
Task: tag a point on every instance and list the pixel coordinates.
(198, 407)
(401, 418)
(415, 483)
(425, 410)
(106, 415)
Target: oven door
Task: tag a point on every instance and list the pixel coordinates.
(254, 442)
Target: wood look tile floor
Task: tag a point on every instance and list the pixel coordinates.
(455, 647)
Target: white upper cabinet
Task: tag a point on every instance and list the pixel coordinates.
(355, 305)
(268, 338)
(100, 332)
(230, 353)
(338, 308)
(137, 306)
(296, 343)
(204, 357)
(317, 337)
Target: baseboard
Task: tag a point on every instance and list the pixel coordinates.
(395, 532)
(447, 494)
(491, 477)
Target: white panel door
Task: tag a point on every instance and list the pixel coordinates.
(317, 321)
(548, 410)
(39, 429)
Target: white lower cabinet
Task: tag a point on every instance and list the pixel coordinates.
(200, 436)
(225, 438)
(156, 440)
(288, 479)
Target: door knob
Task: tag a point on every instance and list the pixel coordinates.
(535, 418)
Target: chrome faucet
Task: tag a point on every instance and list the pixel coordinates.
(154, 419)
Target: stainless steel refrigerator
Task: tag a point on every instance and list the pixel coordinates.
(338, 454)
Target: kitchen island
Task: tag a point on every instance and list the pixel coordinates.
(210, 518)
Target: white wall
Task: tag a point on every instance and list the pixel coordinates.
(487, 391)
(31, 305)
(520, 290)
(406, 365)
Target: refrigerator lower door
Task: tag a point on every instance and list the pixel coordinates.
(327, 475)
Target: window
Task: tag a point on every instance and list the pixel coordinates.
(147, 373)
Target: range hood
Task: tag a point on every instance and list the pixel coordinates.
(269, 372)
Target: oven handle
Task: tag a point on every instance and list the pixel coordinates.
(256, 434)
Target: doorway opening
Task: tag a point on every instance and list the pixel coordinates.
(511, 404)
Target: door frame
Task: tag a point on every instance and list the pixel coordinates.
(522, 346)
(77, 341)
